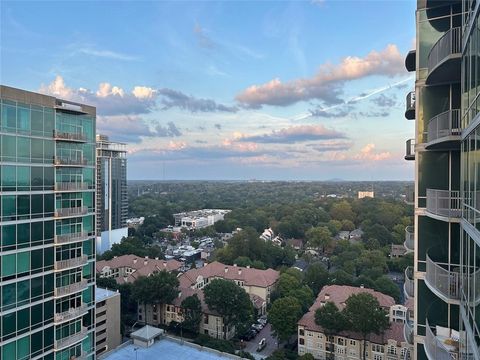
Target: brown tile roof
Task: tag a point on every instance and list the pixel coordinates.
(250, 276)
(338, 294)
(142, 266)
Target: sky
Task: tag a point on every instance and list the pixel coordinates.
(229, 90)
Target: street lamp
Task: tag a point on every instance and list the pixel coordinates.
(136, 353)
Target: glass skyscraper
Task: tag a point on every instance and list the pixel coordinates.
(47, 227)
(445, 238)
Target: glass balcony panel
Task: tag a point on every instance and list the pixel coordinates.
(445, 203)
(443, 279)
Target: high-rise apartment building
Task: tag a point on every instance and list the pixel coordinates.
(445, 280)
(112, 202)
(47, 227)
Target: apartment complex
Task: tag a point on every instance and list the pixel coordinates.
(199, 218)
(445, 279)
(112, 197)
(107, 320)
(47, 227)
(348, 345)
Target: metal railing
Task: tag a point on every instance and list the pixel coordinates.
(443, 280)
(410, 148)
(71, 313)
(435, 348)
(444, 203)
(63, 135)
(67, 186)
(73, 262)
(409, 285)
(72, 339)
(66, 238)
(408, 332)
(71, 288)
(471, 281)
(69, 161)
(450, 43)
(410, 105)
(444, 124)
(71, 211)
(409, 243)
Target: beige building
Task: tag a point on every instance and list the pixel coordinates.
(347, 345)
(256, 282)
(107, 320)
(128, 268)
(366, 194)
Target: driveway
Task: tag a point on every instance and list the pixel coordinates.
(266, 333)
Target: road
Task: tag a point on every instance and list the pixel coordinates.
(271, 343)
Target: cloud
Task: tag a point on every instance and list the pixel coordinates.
(384, 101)
(327, 84)
(331, 145)
(382, 113)
(203, 40)
(325, 113)
(218, 126)
(295, 134)
(170, 130)
(108, 99)
(123, 128)
(173, 98)
(368, 153)
(106, 54)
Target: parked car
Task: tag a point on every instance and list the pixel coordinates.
(262, 344)
(262, 321)
(257, 327)
(249, 335)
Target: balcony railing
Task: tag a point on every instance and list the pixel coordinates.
(410, 194)
(70, 263)
(450, 43)
(67, 238)
(71, 186)
(439, 347)
(71, 288)
(446, 203)
(70, 340)
(409, 243)
(71, 211)
(409, 285)
(70, 161)
(440, 279)
(408, 332)
(471, 281)
(63, 135)
(70, 314)
(410, 109)
(410, 150)
(444, 124)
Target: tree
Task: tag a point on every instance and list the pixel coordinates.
(286, 284)
(192, 313)
(365, 316)
(385, 285)
(348, 225)
(283, 316)
(106, 282)
(319, 237)
(316, 277)
(330, 319)
(142, 293)
(230, 301)
(342, 211)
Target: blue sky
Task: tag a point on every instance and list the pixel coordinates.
(307, 90)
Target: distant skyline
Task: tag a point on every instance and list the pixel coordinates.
(300, 90)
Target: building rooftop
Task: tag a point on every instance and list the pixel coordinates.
(166, 349)
(102, 294)
(146, 333)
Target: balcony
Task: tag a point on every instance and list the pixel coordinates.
(71, 186)
(70, 340)
(410, 195)
(71, 288)
(441, 343)
(410, 107)
(71, 263)
(443, 280)
(444, 131)
(67, 161)
(70, 314)
(69, 238)
(444, 204)
(409, 285)
(408, 331)
(409, 243)
(68, 136)
(471, 285)
(71, 211)
(444, 59)
(411, 61)
(410, 150)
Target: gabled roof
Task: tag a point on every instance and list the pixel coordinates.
(147, 333)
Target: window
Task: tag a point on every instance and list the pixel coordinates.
(301, 341)
(301, 332)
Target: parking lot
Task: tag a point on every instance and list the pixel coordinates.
(252, 345)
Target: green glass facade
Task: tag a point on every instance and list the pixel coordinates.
(47, 227)
(447, 173)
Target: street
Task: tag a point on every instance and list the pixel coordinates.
(266, 333)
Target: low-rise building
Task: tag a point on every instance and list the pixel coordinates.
(199, 218)
(254, 281)
(107, 320)
(347, 345)
(397, 250)
(127, 268)
(356, 234)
